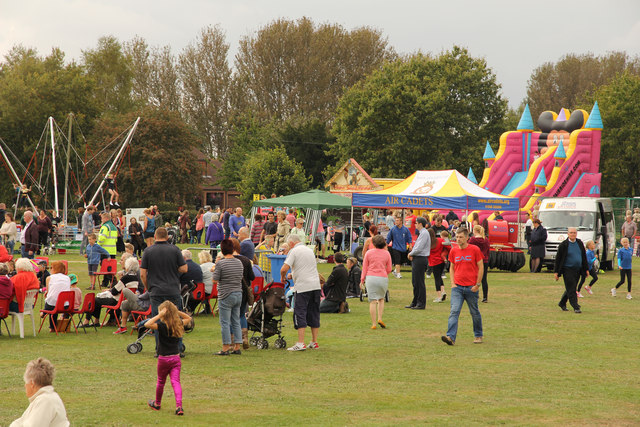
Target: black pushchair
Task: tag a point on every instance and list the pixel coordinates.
(265, 318)
(136, 347)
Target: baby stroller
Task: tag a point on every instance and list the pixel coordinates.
(136, 347)
(265, 318)
(185, 294)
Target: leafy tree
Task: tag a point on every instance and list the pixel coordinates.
(160, 165)
(566, 82)
(155, 75)
(272, 171)
(110, 69)
(620, 149)
(32, 88)
(248, 136)
(206, 77)
(420, 112)
(306, 141)
(297, 68)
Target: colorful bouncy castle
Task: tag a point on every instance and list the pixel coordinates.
(560, 160)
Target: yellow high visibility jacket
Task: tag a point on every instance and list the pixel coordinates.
(108, 237)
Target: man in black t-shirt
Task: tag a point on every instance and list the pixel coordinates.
(162, 265)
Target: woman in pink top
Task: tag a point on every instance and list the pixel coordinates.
(375, 271)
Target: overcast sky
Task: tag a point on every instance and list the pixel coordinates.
(514, 36)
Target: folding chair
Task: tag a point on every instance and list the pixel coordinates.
(199, 295)
(108, 267)
(4, 313)
(29, 303)
(64, 305)
(88, 305)
(139, 316)
(113, 308)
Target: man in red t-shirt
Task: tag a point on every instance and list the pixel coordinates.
(467, 265)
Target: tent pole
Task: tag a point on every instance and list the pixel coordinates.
(53, 162)
(351, 232)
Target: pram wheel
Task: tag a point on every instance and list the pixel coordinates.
(254, 341)
(139, 345)
(280, 343)
(133, 348)
(263, 344)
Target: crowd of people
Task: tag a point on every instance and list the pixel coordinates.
(155, 274)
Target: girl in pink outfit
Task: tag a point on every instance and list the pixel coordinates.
(375, 271)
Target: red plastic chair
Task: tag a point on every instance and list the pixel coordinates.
(64, 305)
(4, 313)
(139, 316)
(199, 295)
(214, 295)
(112, 308)
(88, 305)
(108, 267)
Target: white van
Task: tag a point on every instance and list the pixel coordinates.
(593, 217)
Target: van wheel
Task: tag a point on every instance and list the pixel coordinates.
(358, 253)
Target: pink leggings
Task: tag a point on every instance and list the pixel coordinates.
(169, 365)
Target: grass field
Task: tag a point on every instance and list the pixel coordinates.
(537, 366)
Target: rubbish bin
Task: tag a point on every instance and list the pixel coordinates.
(277, 261)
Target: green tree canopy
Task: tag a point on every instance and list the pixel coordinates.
(161, 165)
(564, 84)
(272, 171)
(620, 150)
(420, 112)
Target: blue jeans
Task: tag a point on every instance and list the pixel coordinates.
(155, 303)
(229, 313)
(9, 246)
(25, 254)
(458, 295)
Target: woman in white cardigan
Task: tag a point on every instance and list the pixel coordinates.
(46, 407)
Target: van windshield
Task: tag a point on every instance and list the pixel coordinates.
(562, 220)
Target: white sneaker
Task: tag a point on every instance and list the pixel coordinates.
(589, 290)
(444, 276)
(398, 276)
(437, 300)
(298, 347)
(313, 346)
(395, 274)
(579, 295)
(613, 292)
(629, 296)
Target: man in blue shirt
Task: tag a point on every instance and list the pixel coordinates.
(419, 257)
(571, 263)
(400, 238)
(236, 222)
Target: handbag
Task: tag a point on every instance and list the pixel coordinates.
(247, 294)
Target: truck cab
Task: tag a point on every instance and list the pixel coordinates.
(593, 218)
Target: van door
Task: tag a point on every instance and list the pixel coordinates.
(606, 232)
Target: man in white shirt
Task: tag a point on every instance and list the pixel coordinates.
(304, 271)
(419, 258)
(207, 217)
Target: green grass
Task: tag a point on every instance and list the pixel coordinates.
(538, 365)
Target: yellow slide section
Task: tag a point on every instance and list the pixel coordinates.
(536, 166)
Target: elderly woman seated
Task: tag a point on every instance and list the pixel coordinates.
(45, 407)
(23, 280)
(110, 297)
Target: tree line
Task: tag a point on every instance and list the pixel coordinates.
(298, 99)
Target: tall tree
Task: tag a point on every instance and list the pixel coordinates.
(206, 77)
(296, 68)
(620, 149)
(155, 76)
(420, 112)
(110, 69)
(564, 84)
(32, 88)
(160, 165)
(272, 171)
